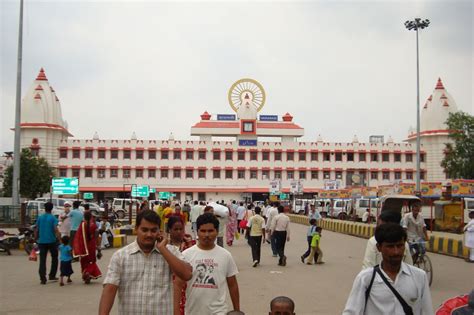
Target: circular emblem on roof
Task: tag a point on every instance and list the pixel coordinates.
(246, 92)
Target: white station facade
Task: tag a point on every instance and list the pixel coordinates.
(257, 150)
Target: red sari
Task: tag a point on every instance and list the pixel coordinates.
(86, 249)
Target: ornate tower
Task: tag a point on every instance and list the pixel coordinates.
(433, 130)
(42, 124)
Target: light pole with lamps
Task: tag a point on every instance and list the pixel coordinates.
(417, 24)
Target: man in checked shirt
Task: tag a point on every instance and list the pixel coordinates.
(141, 272)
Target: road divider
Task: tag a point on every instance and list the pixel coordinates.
(443, 243)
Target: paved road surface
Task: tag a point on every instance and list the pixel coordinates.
(316, 289)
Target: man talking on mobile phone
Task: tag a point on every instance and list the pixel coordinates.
(141, 272)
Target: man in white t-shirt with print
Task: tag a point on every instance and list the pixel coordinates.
(214, 273)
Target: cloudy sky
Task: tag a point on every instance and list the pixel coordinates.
(339, 67)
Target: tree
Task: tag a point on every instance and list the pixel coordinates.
(35, 176)
(459, 155)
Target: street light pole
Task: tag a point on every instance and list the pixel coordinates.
(16, 145)
(417, 24)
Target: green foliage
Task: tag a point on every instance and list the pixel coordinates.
(35, 176)
(459, 155)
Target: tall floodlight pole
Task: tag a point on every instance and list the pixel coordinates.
(417, 24)
(16, 148)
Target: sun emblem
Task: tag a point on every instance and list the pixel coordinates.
(246, 92)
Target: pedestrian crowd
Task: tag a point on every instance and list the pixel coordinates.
(167, 271)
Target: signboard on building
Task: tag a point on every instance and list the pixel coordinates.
(275, 187)
(164, 195)
(141, 191)
(268, 117)
(152, 190)
(284, 196)
(65, 185)
(431, 189)
(88, 196)
(296, 187)
(248, 142)
(332, 184)
(225, 117)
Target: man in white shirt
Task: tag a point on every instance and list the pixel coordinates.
(240, 216)
(214, 273)
(372, 256)
(414, 224)
(280, 230)
(271, 213)
(373, 291)
(193, 215)
(65, 220)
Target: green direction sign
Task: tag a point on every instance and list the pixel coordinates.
(88, 196)
(141, 191)
(65, 185)
(152, 190)
(164, 195)
(283, 196)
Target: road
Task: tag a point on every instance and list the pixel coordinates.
(316, 289)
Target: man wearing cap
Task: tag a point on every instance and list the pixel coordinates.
(65, 220)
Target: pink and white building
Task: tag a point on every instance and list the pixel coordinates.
(244, 163)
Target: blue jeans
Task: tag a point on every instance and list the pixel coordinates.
(273, 245)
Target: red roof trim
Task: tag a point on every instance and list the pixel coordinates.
(216, 124)
(431, 132)
(262, 125)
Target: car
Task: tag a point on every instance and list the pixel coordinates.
(34, 208)
(58, 204)
(95, 209)
(120, 206)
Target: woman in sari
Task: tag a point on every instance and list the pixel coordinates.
(85, 247)
(180, 241)
(231, 227)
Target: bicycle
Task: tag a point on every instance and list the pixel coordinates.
(420, 259)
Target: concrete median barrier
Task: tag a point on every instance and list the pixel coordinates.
(440, 243)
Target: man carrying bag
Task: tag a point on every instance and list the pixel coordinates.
(393, 287)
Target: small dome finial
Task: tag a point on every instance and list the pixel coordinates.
(439, 85)
(134, 136)
(41, 76)
(171, 137)
(96, 136)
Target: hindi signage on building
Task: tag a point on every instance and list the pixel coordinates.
(225, 117)
(268, 117)
(275, 187)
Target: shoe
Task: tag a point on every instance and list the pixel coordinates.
(302, 259)
(69, 281)
(61, 284)
(283, 261)
(43, 281)
(275, 255)
(309, 263)
(255, 263)
(320, 263)
(53, 279)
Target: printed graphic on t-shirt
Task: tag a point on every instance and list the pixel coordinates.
(205, 274)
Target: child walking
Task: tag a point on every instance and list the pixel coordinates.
(66, 260)
(315, 248)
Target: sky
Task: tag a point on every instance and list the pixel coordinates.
(341, 68)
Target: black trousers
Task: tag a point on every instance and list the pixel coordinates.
(307, 252)
(280, 240)
(53, 249)
(256, 244)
